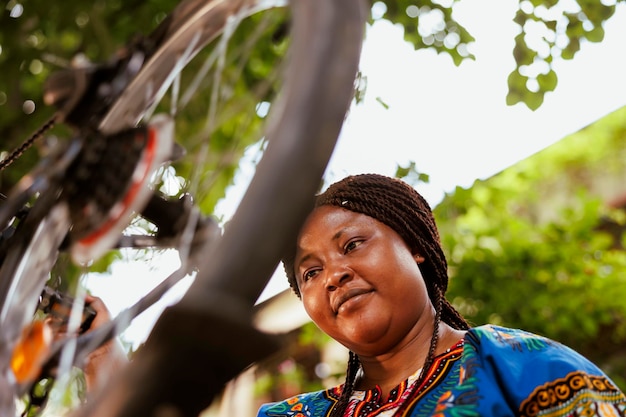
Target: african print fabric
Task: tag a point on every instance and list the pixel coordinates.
(493, 371)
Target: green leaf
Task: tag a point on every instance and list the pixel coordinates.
(596, 34)
(571, 49)
(547, 82)
(522, 53)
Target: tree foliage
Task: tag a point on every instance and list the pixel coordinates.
(563, 29)
(532, 247)
(548, 31)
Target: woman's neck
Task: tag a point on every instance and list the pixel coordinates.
(389, 370)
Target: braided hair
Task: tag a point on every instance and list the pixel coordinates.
(399, 206)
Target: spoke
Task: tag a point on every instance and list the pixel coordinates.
(175, 94)
(182, 60)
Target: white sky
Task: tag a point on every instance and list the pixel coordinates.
(452, 121)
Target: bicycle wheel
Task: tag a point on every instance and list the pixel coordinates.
(181, 366)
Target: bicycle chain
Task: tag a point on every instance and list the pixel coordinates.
(28, 142)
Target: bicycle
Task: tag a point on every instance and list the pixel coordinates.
(72, 203)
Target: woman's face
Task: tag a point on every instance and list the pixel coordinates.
(359, 281)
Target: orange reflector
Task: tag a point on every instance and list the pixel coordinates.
(31, 351)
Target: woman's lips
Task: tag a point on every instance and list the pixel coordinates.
(345, 296)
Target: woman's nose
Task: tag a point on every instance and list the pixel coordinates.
(337, 276)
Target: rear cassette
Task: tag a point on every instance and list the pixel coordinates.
(110, 181)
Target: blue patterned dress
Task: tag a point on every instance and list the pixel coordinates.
(493, 371)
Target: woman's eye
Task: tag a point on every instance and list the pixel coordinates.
(350, 246)
(311, 273)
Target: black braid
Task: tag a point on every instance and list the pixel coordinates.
(451, 316)
(348, 386)
(399, 206)
(438, 302)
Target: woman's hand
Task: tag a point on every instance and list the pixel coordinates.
(108, 358)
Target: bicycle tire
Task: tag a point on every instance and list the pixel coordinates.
(185, 365)
(325, 49)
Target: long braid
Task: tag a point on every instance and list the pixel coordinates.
(452, 317)
(402, 208)
(433, 341)
(348, 386)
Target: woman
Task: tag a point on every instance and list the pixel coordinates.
(370, 270)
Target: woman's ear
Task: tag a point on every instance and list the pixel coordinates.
(418, 258)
